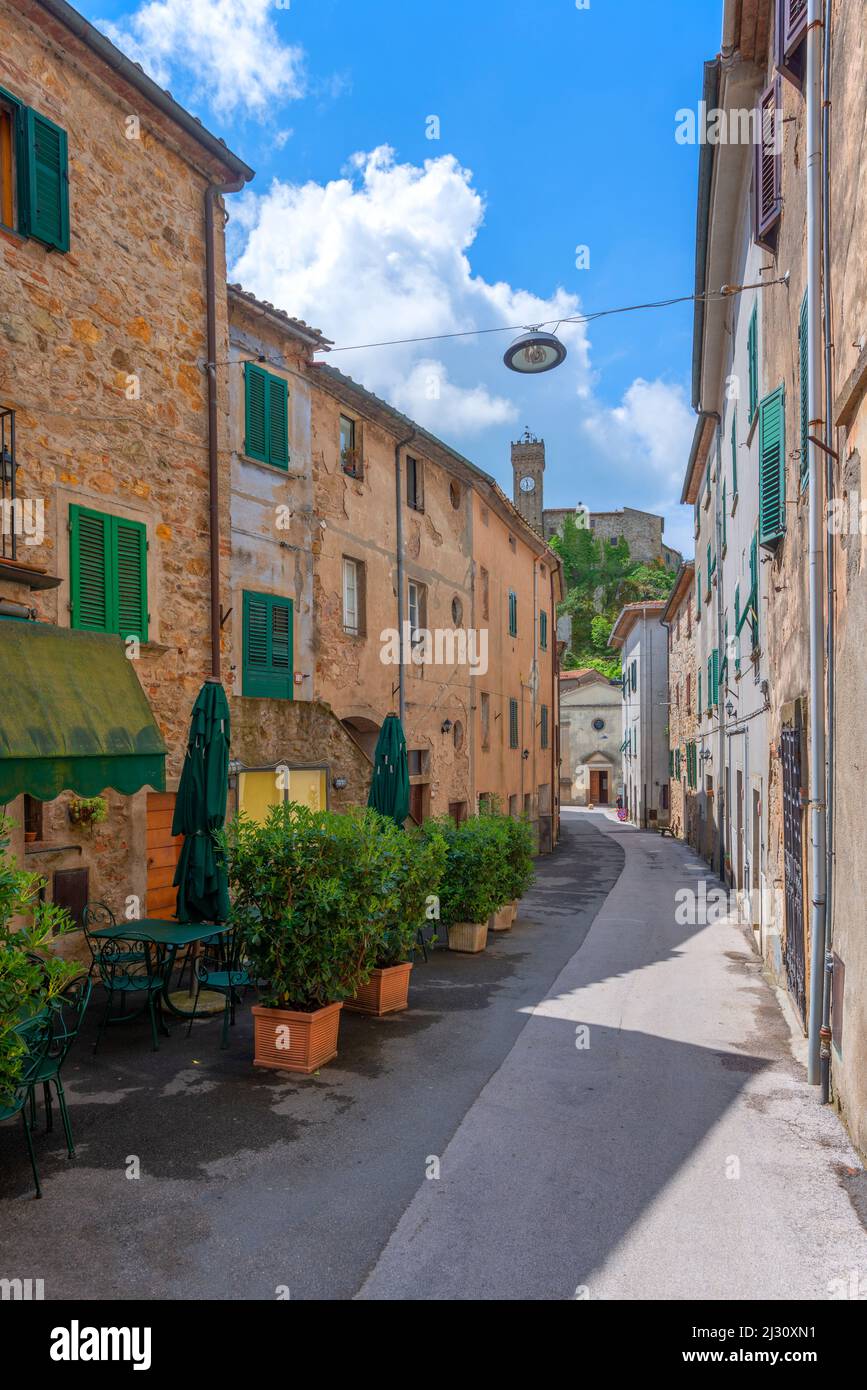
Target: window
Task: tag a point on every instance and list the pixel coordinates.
(33, 827)
(34, 174)
(418, 762)
(543, 729)
(485, 721)
(350, 450)
(734, 443)
(688, 693)
(772, 468)
(724, 517)
(266, 667)
(263, 788)
(266, 416)
(598, 725)
(513, 723)
(513, 613)
(353, 597)
(458, 735)
(417, 609)
(753, 365)
(768, 200)
(543, 630)
(414, 484)
(108, 573)
(485, 585)
(805, 390)
(633, 675)
(699, 710)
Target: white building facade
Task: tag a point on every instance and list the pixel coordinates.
(643, 644)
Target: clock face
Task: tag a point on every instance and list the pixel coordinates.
(528, 484)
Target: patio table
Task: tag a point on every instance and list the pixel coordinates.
(168, 938)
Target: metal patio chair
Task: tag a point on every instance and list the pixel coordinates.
(35, 1033)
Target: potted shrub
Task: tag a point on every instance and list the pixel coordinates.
(311, 892)
(31, 976)
(518, 872)
(417, 862)
(469, 890)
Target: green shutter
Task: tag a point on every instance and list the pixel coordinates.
(803, 359)
(513, 613)
(108, 573)
(714, 700)
(266, 663)
(130, 577)
(735, 453)
(754, 589)
(753, 362)
(513, 723)
(724, 517)
(278, 422)
(709, 572)
(255, 431)
(772, 467)
(46, 211)
(738, 625)
(543, 629)
(700, 707)
(90, 569)
(697, 594)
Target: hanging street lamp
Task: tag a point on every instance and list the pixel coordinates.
(533, 352)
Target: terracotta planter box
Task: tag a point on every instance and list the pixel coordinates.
(289, 1041)
(386, 991)
(502, 920)
(468, 936)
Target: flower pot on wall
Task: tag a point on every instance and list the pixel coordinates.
(288, 1041)
(386, 991)
(502, 919)
(471, 937)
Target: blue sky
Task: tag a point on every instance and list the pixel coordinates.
(556, 129)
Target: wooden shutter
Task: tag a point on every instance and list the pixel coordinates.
(768, 201)
(754, 589)
(278, 422)
(700, 707)
(735, 454)
(795, 12)
(266, 669)
(753, 363)
(803, 360)
(772, 468)
(90, 566)
(543, 629)
(47, 181)
(513, 723)
(724, 515)
(130, 568)
(715, 676)
(255, 432)
(513, 613)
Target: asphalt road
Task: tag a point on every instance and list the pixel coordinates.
(251, 1182)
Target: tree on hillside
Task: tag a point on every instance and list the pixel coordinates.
(600, 577)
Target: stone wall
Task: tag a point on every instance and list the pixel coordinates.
(101, 353)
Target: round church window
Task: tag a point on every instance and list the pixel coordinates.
(598, 724)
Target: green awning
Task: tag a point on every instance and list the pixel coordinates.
(73, 716)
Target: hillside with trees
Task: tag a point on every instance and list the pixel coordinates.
(600, 577)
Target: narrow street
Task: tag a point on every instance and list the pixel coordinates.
(560, 1166)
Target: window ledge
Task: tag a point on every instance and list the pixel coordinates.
(287, 472)
(43, 847)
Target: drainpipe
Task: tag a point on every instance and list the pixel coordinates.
(825, 1037)
(813, 93)
(721, 807)
(211, 193)
(554, 732)
(398, 516)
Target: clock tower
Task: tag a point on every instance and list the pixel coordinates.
(528, 466)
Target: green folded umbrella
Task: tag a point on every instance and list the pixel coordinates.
(200, 808)
(389, 789)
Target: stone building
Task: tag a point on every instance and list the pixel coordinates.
(591, 724)
(641, 530)
(107, 191)
(684, 767)
(794, 430)
(641, 639)
(417, 541)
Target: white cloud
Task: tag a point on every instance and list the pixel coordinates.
(650, 433)
(231, 47)
(382, 253)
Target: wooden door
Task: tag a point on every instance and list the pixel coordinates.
(163, 850)
(69, 889)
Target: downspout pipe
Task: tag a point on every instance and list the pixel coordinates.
(398, 541)
(817, 796)
(212, 192)
(721, 807)
(825, 1037)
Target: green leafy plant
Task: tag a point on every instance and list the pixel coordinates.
(31, 976)
(473, 880)
(88, 810)
(519, 872)
(419, 862)
(314, 896)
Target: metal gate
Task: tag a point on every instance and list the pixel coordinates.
(794, 876)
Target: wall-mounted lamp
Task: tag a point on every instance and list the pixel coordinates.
(446, 726)
(730, 709)
(525, 755)
(339, 784)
